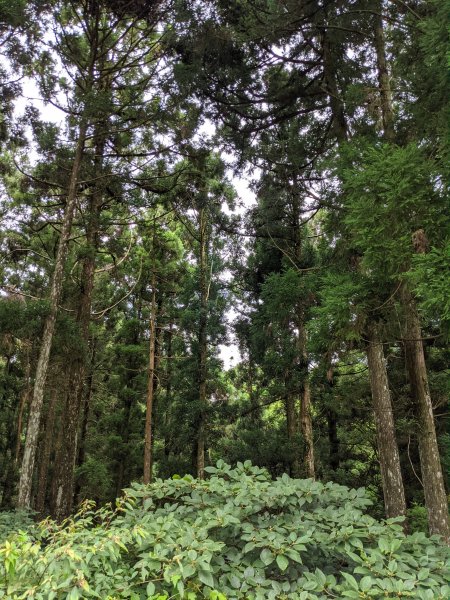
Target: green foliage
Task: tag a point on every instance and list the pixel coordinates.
(14, 521)
(237, 535)
(390, 193)
(429, 276)
(417, 518)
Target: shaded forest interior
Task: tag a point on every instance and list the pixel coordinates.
(128, 259)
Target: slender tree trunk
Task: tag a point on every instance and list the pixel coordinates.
(125, 438)
(65, 463)
(125, 428)
(307, 430)
(47, 444)
(291, 424)
(202, 345)
(24, 399)
(430, 462)
(34, 419)
(387, 444)
(384, 84)
(168, 395)
(333, 439)
(338, 123)
(433, 480)
(306, 426)
(255, 414)
(391, 475)
(81, 451)
(148, 462)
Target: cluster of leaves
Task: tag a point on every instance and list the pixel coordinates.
(237, 535)
(15, 520)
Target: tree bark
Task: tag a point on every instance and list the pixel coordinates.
(384, 84)
(433, 481)
(168, 395)
(47, 444)
(34, 419)
(125, 427)
(307, 429)
(81, 450)
(430, 462)
(148, 462)
(338, 121)
(24, 399)
(291, 425)
(391, 475)
(65, 463)
(202, 344)
(306, 426)
(333, 439)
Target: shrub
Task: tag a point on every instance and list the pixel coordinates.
(238, 535)
(14, 520)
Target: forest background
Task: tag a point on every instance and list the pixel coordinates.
(123, 249)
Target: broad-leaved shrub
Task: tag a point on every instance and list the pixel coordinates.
(236, 535)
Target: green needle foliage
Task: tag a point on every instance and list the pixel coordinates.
(238, 534)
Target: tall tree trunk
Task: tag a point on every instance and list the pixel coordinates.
(307, 429)
(306, 426)
(44, 459)
(384, 84)
(391, 475)
(255, 413)
(430, 463)
(168, 395)
(433, 480)
(34, 419)
(125, 438)
(24, 399)
(329, 58)
(333, 439)
(65, 463)
(81, 451)
(125, 426)
(387, 444)
(148, 462)
(202, 344)
(291, 424)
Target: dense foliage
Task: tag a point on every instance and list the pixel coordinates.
(238, 534)
(186, 180)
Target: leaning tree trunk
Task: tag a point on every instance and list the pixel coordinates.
(391, 475)
(34, 419)
(430, 463)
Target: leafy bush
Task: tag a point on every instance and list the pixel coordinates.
(238, 535)
(13, 521)
(417, 518)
